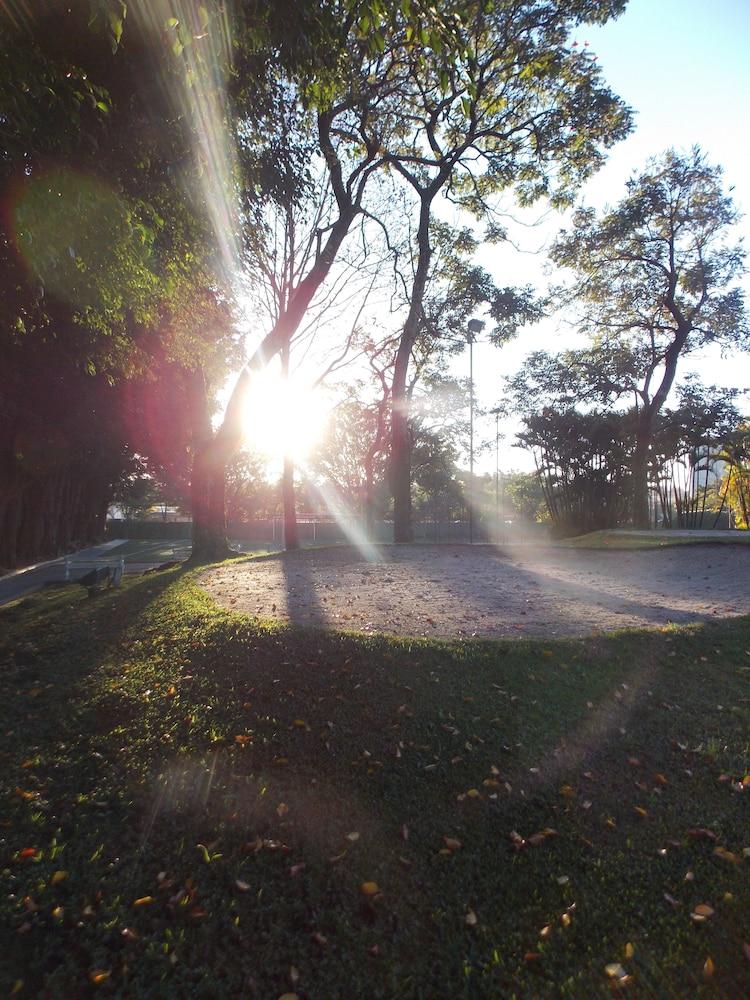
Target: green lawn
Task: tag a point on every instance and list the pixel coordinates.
(196, 805)
(650, 540)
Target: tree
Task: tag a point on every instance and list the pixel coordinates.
(517, 108)
(582, 462)
(654, 281)
(104, 271)
(526, 495)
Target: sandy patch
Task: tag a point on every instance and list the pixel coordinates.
(461, 591)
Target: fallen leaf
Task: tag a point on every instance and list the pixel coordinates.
(352, 837)
(404, 832)
(143, 901)
(451, 843)
(615, 971)
(701, 833)
(242, 886)
(532, 956)
(640, 811)
(320, 939)
(369, 888)
(58, 877)
(708, 968)
(470, 919)
(629, 950)
(282, 809)
(242, 739)
(28, 852)
(725, 855)
(97, 976)
(701, 913)
(675, 903)
(473, 793)
(567, 791)
(295, 870)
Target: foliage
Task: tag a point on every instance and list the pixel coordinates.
(735, 486)
(583, 466)
(655, 279)
(194, 802)
(526, 495)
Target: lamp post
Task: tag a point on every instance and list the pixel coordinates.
(475, 326)
(497, 471)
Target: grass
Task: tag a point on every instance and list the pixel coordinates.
(648, 540)
(193, 803)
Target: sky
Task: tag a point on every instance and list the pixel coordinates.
(682, 66)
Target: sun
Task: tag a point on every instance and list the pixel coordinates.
(284, 417)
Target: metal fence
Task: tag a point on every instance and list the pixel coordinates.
(329, 531)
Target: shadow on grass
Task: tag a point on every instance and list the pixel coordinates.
(220, 791)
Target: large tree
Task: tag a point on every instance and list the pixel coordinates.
(655, 280)
(517, 109)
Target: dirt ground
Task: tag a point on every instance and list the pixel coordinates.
(459, 591)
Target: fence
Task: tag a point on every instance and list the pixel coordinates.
(328, 531)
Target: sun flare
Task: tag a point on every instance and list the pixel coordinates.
(284, 417)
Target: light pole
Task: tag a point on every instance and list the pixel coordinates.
(475, 326)
(497, 471)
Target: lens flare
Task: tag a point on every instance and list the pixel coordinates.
(284, 417)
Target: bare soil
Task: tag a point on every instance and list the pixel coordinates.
(461, 591)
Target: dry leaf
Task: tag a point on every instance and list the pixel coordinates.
(352, 837)
(640, 811)
(725, 855)
(97, 976)
(629, 950)
(701, 913)
(470, 919)
(58, 877)
(369, 888)
(143, 901)
(282, 809)
(615, 971)
(708, 968)
(701, 833)
(451, 843)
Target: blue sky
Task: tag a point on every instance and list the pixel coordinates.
(683, 66)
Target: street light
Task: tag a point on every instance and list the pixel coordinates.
(475, 326)
(497, 412)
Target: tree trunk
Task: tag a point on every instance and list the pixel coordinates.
(400, 436)
(207, 484)
(401, 452)
(639, 483)
(291, 532)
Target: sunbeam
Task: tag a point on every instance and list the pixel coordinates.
(193, 50)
